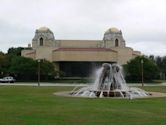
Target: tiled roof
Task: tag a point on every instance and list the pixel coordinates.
(84, 49)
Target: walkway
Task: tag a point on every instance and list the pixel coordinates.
(69, 84)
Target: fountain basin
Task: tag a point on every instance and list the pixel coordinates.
(150, 95)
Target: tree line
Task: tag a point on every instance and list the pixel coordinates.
(26, 69)
(152, 68)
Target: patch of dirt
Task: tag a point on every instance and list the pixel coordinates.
(157, 94)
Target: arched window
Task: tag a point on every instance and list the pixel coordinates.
(41, 41)
(116, 43)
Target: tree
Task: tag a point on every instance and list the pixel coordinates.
(133, 69)
(27, 69)
(161, 62)
(13, 64)
(2, 60)
(15, 51)
(164, 64)
(23, 68)
(47, 70)
(152, 57)
(4, 64)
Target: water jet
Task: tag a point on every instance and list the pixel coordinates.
(109, 82)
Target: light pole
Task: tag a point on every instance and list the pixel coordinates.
(142, 71)
(39, 72)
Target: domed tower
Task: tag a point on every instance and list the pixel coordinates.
(113, 38)
(43, 37)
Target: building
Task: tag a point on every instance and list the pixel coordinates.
(79, 57)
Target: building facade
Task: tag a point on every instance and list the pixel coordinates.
(79, 57)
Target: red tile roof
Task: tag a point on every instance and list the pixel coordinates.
(84, 49)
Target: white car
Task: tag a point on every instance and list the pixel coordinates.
(8, 79)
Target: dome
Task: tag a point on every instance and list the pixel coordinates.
(112, 34)
(45, 33)
(43, 29)
(113, 30)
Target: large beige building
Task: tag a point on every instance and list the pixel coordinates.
(79, 57)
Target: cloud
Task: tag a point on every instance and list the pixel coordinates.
(149, 47)
(13, 35)
(81, 19)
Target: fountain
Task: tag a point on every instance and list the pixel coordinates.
(109, 83)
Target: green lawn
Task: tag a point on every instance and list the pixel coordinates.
(38, 106)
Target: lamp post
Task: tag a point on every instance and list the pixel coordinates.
(39, 72)
(142, 71)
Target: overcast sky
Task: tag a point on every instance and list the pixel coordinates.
(143, 22)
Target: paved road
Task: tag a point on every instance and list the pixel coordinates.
(67, 84)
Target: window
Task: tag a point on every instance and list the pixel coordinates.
(41, 41)
(116, 43)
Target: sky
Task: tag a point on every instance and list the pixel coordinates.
(142, 21)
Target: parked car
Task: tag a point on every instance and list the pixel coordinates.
(8, 79)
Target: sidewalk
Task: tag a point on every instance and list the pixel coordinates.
(70, 84)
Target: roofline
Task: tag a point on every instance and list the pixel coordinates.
(85, 49)
(86, 40)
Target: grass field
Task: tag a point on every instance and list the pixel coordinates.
(20, 105)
